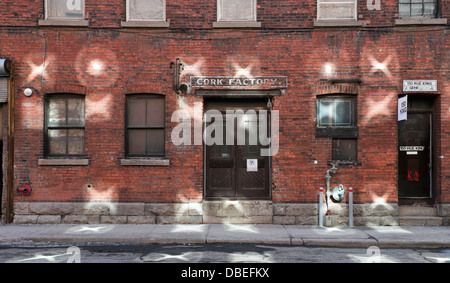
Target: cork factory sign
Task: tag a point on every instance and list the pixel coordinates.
(266, 82)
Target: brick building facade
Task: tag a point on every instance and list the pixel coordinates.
(95, 88)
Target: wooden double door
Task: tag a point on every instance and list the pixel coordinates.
(234, 165)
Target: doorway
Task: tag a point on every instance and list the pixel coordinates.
(234, 165)
(415, 156)
(1, 174)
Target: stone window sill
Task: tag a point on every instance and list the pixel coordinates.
(346, 163)
(420, 21)
(144, 162)
(237, 24)
(62, 22)
(338, 23)
(145, 24)
(63, 162)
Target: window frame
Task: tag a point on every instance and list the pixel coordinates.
(334, 99)
(46, 6)
(66, 96)
(219, 13)
(354, 18)
(128, 19)
(436, 15)
(127, 127)
(350, 131)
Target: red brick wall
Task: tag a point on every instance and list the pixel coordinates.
(201, 14)
(287, 45)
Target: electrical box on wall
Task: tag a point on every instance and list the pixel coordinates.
(5, 68)
(3, 90)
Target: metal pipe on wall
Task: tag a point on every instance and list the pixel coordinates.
(10, 157)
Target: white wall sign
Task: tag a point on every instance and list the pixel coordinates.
(412, 148)
(419, 85)
(273, 82)
(403, 108)
(252, 165)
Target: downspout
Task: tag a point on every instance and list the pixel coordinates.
(269, 131)
(10, 155)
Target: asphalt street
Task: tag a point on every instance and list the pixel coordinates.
(212, 253)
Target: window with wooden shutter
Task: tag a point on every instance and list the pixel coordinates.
(145, 132)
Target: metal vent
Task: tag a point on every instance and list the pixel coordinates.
(3, 90)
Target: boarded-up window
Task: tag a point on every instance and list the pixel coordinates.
(145, 125)
(344, 150)
(236, 10)
(336, 9)
(146, 10)
(417, 8)
(65, 9)
(64, 125)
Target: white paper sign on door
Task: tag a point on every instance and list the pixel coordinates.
(252, 165)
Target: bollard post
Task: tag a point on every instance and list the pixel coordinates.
(350, 207)
(320, 207)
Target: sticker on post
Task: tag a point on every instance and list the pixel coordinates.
(252, 165)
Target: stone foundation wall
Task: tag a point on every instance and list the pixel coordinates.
(144, 213)
(370, 214)
(250, 212)
(295, 214)
(363, 214)
(245, 212)
(444, 212)
(107, 213)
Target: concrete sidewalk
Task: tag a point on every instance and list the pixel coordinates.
(381, 236)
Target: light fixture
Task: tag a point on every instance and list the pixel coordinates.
(328, 68)
(184, 88)
(177, 67)
(28, 92)
(5, 67)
